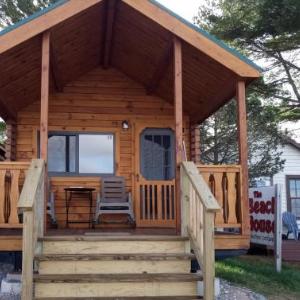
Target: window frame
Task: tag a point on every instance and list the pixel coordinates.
(288, 192)
(160, 131)
(77, 134)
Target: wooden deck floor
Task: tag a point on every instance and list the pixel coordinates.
(11, 240)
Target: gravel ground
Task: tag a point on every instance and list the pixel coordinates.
(230, 291)
(9, 297)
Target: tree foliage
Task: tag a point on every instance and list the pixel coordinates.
(2, 132)
(268, 31)
(219, 138)
(12, 11)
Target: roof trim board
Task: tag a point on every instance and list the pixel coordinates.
(42, 21)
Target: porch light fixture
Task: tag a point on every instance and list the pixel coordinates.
(125, 125)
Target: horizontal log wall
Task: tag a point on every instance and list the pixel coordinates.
(97, 102)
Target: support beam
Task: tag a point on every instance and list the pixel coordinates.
(55, 73)
(45, 95)
(161, 69)
(109, 30)
(178, 122)
(243, 153)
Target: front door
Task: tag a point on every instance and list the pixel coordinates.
(155, 177)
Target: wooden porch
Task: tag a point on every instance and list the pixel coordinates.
(223, 181)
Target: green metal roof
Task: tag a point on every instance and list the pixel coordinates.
(196, 28)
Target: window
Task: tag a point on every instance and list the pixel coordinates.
(81, 153)
(293, 187)
(157, 154)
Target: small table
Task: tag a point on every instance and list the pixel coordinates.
(69, 192)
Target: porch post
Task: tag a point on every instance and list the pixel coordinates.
(45, 95)
(243, 153)
(178, 123)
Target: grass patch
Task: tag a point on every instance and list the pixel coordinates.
(258, 273)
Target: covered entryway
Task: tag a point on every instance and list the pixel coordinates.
(155, 177)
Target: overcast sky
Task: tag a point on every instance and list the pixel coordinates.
(185, 8)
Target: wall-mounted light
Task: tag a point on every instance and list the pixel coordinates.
(125, 125)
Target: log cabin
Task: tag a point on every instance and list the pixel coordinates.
(95, 89)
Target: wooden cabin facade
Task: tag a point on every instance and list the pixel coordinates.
(98, 88)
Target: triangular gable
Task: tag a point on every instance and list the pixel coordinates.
(189, 33)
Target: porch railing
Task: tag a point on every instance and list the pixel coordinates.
(225, 184)
(31, 204)
(198, 207)
(12, 176)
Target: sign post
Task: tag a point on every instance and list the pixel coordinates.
(265, 219)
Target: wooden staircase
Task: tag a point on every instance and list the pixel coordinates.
(119, 267)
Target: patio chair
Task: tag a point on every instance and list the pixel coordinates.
(290, 221)
(114, 199)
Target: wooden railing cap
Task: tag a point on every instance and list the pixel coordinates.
(31, 184)
(202, 190)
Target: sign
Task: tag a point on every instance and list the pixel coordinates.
(262, 215)
(265, 219)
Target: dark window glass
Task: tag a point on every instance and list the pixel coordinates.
(81, 153)
(57, 154)
(157, 154)
(294, 193)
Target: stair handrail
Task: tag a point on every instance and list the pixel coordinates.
(198, 208)
(31, 205)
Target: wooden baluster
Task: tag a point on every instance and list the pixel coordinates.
(225, 197)
(2, 195)
(147, 202)
(143, 201)
(159, 202)
(219, 196)
(206, 177)
(151, 201)
(14, 197)
(232, 198)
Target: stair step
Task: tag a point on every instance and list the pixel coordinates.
(109, 278)
(110, 256)
(124, 298)
(115, 238)
(116, 286)
(91, 245)
(114, 263)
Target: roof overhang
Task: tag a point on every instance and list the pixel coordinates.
(143, 34)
